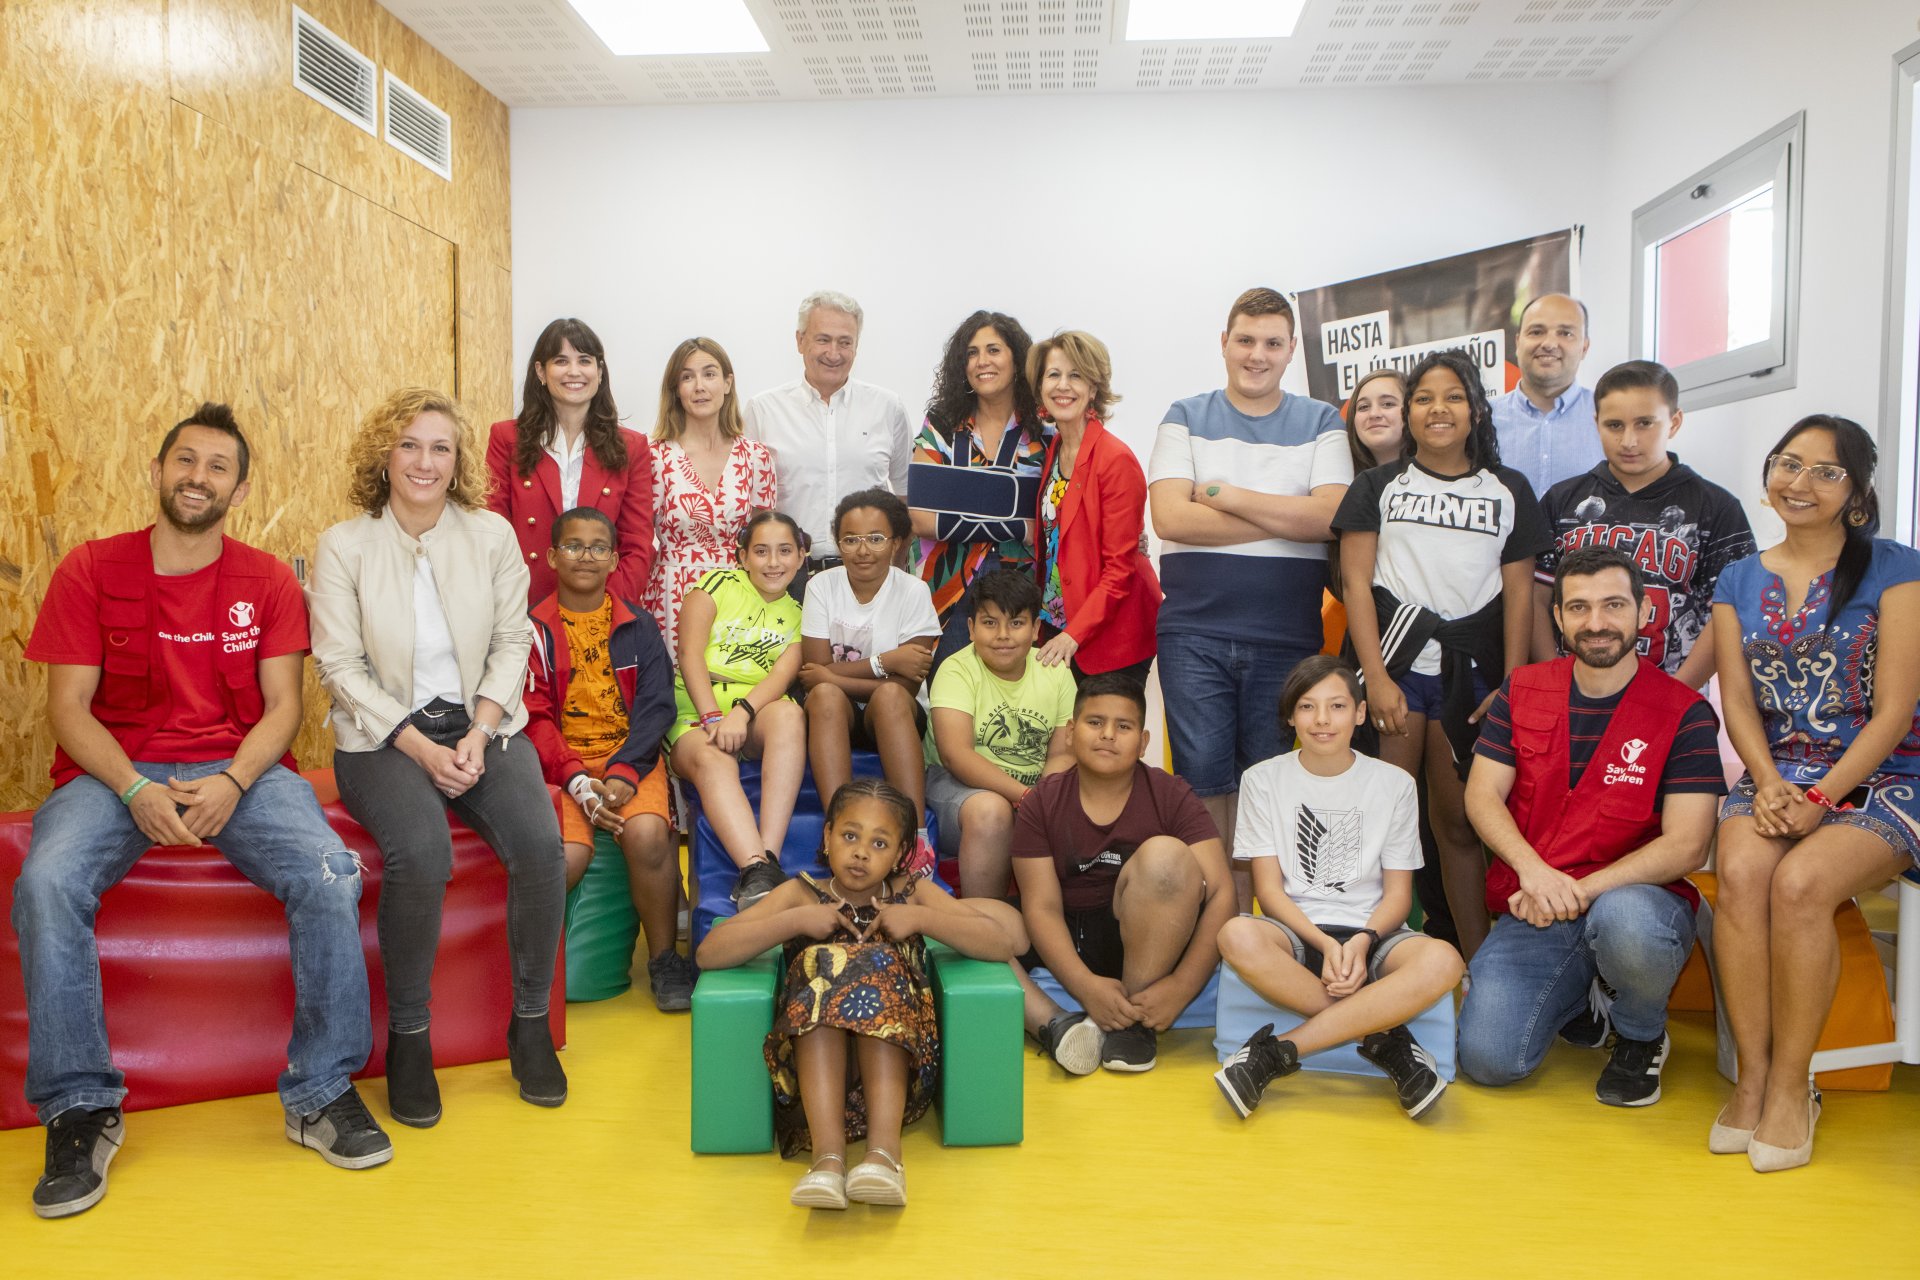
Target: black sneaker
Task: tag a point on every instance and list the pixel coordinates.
(1589, 1030)
(80, 1146)
(757, 880)
(1253, 1066)
(1416, 1076)
(671, 976)
(1632, 1075)
(343, 1132)
(1074, 1041)
(1131, 1048)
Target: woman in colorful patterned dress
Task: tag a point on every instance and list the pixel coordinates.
(1823, 716)
(982, 415)
(707, 478)
(856, 988)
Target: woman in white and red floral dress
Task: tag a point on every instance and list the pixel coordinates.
(707, 478)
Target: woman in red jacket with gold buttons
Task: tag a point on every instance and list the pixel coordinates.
(567, 449)
(1100, 599)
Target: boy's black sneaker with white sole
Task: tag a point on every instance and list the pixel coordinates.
(1256, 1064)
(80, 1145)
(757, 880)
(1074, 1041)
(1632, 1074)
(1416, 1076)
(344, 1132)
(1590, 1028)
(671, 977)
(1133, 1048)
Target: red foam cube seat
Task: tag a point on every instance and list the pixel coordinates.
(199, 988)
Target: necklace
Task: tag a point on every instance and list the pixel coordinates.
(862, 917)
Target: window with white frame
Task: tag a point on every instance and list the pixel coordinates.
(1899, 429)
(1717, 272)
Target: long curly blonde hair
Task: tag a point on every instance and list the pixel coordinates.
(373, 443)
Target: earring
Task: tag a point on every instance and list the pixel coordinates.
(1856, 517)
(383, 476)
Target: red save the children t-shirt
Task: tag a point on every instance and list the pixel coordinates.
(192, 623)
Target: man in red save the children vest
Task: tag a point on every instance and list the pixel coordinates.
(173, 686)
(1595, 783)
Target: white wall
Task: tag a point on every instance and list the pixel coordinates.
(1726, 72)
(1135, 217)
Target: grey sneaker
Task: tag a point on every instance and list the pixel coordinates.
(1074, 1041)
(1590, 1029)
(671, 976)
(344, 1132)
(80, 1146)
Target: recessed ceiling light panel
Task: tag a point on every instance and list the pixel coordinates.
(642, 27)
(1210, 19)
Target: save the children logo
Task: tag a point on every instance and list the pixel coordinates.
(241, 613)
(1632, 771)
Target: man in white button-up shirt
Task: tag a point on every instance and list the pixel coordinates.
(829, 434)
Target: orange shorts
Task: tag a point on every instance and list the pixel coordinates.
(650, 797)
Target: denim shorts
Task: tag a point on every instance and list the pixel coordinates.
(1222, 700)
(1427, 694)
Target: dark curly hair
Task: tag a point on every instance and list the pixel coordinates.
(536, 421)
(1483, 446)
(954, 400)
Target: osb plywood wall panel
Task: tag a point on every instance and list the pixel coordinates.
(163, 241)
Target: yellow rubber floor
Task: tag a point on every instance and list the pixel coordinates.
(1148, 1175)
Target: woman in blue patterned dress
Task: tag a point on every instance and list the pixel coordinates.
(1823, 716)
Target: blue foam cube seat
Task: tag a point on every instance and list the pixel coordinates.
(1198, 1013)
(713, 872)
(1242, 1012)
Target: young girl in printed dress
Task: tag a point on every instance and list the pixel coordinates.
(855, 987)
(1819, 696)
(1437, 552)
(736, 661)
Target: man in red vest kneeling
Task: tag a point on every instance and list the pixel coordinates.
(1595, 783)
(173, 685)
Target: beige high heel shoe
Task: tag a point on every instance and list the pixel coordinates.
(1725, 1140)
(1767, 1158)
(822, 1188)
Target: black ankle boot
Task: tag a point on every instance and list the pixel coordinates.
(413, 1095)
(535, 1064)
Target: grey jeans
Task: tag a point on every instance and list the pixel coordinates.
(509, 807)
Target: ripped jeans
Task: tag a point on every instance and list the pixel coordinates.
(85, 842)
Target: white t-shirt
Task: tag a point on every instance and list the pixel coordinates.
(1334, 836)
(436, 671)
(901, 610)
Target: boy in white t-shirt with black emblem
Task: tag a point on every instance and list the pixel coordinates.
(1332, 838)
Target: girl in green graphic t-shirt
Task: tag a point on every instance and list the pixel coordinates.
(737, 657)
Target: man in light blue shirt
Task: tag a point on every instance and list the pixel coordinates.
(1545, 424)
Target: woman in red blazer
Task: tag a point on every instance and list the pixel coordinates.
(1099, 596)
(567, 449)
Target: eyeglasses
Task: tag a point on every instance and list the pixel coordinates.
(1789, 468)
(576, 550)
(854, 541)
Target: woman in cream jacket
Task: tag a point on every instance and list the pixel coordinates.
(420, 634)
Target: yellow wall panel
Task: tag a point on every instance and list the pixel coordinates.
(178, 223)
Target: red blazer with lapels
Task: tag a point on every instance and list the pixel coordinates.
(1112, 594)
(531, 504)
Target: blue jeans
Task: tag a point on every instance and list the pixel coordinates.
(1222, 700)
(85, 842)
(1530, 982)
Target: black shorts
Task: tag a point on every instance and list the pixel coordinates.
(861, 738)
(1096, 940)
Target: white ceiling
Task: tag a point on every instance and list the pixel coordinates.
(537, 53)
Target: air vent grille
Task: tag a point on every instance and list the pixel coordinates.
(419, 128)
(331, 71)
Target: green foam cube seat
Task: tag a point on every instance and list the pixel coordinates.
(602, 926)
(732, 1096)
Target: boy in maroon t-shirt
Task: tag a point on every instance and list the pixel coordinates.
(1123, 887)
(173, 687)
